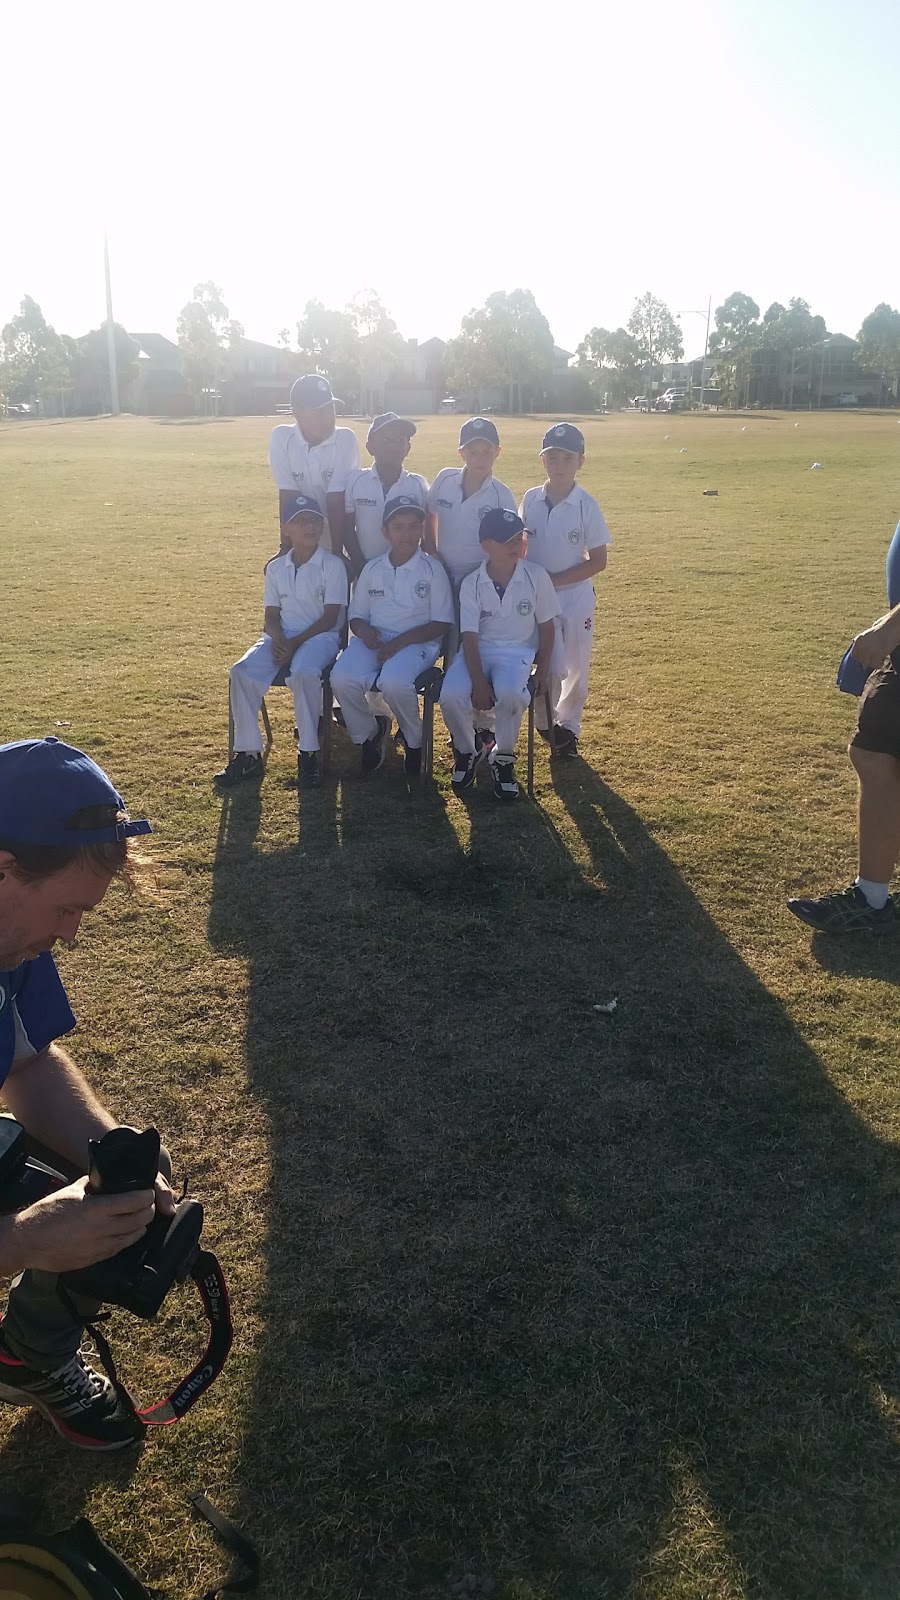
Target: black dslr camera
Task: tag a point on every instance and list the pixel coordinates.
(139, 1277)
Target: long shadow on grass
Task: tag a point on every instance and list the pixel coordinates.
(599, 1305)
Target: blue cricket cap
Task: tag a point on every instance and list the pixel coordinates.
(402, 502)
(44, 784)
(564, 436)
(478, 428)
(500, 525)
(311, 390)
(294, 505)
(384, 421)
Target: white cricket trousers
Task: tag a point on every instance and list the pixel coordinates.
(256, 672)
(358, 675)
(507, 669)
(570, 666)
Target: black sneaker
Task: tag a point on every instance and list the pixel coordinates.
(79, 1401)
(412, 761)
(241, 767)
(564, 742)
(373, 749)
(846, 911)
(308, 770)
(465, 767)
(505, 786)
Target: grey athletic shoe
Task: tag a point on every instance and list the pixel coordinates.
(76, 1398)
(846, 911)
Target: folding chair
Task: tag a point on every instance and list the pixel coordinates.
(278, 682)
(549, 710)
(429, 684)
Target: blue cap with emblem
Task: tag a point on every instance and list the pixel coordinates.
(44, 785)
(403, 502)
(500, 525)
(384, 421)
(564, 436)
(478, 428)
(311, 390)
(294, 505)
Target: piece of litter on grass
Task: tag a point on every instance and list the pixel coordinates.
(609, 1006)
(816, 466)
(796, 424)
(710, 491)
(683, 450)
(743, 430)
(62, 724)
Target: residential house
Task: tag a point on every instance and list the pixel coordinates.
(258, 378)
(161, 389)
(826, 375)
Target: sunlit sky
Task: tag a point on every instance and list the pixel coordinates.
(435, 152)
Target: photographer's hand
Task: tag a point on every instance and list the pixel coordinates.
(75, 1228)
(163, 1197)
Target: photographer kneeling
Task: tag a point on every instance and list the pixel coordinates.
(64, 836)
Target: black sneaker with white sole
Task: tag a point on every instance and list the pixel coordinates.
(308, 769)
(79, 1401)
(564, 742)
(846, 911)
(241, 768)
(373, 749)
(465, 767)
(505, 785)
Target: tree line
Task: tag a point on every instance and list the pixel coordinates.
(505, 345)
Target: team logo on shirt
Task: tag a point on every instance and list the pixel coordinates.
(376, 594)
(327, 475)
(447, 504)
(422, 589)
(320, 593)
(483, 511)
(524, 608)
(574, 536)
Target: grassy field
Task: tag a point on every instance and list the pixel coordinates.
(582, 1306)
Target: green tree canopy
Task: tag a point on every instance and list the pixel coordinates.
(33, 358)
(612, 359)
(879, 341)
(503, 344)
(206, 332)
(737, 324)
(656, 334)
(328, 342)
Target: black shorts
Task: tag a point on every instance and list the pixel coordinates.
(878, 723)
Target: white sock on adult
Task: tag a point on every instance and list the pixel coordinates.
(875, 893)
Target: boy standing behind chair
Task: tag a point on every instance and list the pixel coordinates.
(305, 594)
(388, 441)
(568, 536)
(312, 456)
(506, 618)
(402, 607)
(459, 498)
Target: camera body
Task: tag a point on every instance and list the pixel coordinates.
(122, 1162)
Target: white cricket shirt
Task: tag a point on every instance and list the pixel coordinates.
(459, 519)
(528, 599)
(559, 537)
(302, 592)
(313, 469)
(365, 497)
(394, 599)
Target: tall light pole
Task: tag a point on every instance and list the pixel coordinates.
(707, 314)
(822, 370)
(110, 337)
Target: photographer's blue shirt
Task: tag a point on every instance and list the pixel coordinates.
(34, 1010)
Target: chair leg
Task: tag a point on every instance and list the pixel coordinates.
(427, 735)
(531, 748)
(327, 710)
(268, 729)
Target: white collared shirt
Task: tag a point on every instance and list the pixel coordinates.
(394, 599)
(301, 593)
(559, 537)
(364, 499)
(528, 599)
(459, 519)
(313, 469)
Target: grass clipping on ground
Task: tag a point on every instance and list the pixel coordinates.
(532, 1299)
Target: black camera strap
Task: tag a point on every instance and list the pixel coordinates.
(207, 1275)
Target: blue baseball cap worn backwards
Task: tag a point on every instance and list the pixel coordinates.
(478, 428)
(500, 525)
(294, 505)
(44, 784)
(311, 390)
(564, 436)
(403, 502)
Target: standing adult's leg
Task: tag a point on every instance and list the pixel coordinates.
(305, 683)
(879, 813)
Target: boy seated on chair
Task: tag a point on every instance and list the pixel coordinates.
(506, 620)
(305, 596)
(401, 609)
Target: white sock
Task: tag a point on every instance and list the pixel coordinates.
(875, 893)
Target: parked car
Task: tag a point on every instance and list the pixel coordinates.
(847, 400)
(672, 400)
(640, 402)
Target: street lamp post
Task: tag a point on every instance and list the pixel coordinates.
(822, 370)
(707, 314)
